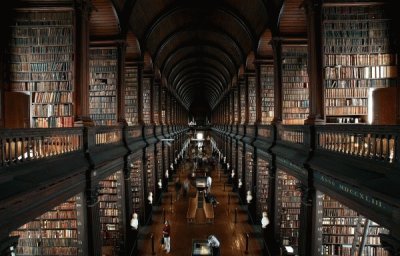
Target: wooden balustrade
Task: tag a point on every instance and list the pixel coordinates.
(108, 134)
(370, 142)
(21, 145)
(292, 133)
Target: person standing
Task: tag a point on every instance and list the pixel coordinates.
(166, 235)
(215, 244)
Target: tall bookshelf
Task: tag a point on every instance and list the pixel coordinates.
(111, 215)
(267, 93)
(136, 178)
(341, 224)
(156, 107)
(236, 106)
(159, 160)
(295, 103)
(288, 201)
(251, 87)
(41, 50)
(358, 58)
(131, 95)
(103, 66)
(149, 168)
(146, 100)
(163, 105)
(57, 232)
(262, 186)
(242, 103)
(249, 169)
(240, 162)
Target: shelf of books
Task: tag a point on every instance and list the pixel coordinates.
(242, 100)
(251, 88)
(58, 232)
(41, 50)
(262, 186)
(136, 178)
(110, 207)
(288, 200)
(234, 155)
(267, 93)
(159, 160)
(156, 107)
(235, 106)
(146, 100)
(163, 105)
(240, 162)
(249, 169)
(131, 95)
(358, 57)
(150, 172)
(295, 103)
(343, 228)
(103, 66)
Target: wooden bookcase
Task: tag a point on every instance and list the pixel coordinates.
(57, 232)
(267, 93)
(288, 200)
(249, 169)
(136, 178)
(242, 99)
(240, 162)
(342, 226)
(262, 186)
(358, 57)
(150, 171)
(251, 87)
(236, 106)
(159, 160)
(111, 215)
(156, 107)
(41, 64)
(146, 100)
(295, 91)
(103, 65)
(131, 95)
(163, 106)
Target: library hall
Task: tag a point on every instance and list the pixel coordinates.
(199, 128)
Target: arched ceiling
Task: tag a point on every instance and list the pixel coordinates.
(198, 45)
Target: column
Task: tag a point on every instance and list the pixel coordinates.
(277, 52)
(81, 82)
(121, 82)
(93, 219)
(314, 34)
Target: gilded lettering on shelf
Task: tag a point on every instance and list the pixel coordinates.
(376, 203)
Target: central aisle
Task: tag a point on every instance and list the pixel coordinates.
(231, 235)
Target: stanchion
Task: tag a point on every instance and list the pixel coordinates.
(247, 244)
(152, 244)
(235, 215)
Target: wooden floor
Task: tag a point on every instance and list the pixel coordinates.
(231, 235)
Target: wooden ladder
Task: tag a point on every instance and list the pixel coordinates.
(362, 229)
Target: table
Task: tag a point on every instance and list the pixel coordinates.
(201, 248)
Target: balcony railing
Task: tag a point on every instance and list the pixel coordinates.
(379, 143)
(108, 134)
(22, 145)
(297, 134)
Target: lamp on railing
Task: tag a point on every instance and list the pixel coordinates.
(135, 221)
(249, 197)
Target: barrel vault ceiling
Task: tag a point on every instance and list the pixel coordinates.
(198, 46)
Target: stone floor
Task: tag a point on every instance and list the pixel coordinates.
(231, 234)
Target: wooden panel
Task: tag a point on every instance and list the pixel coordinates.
(293, 19)
(103, 20)
(384, 106)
